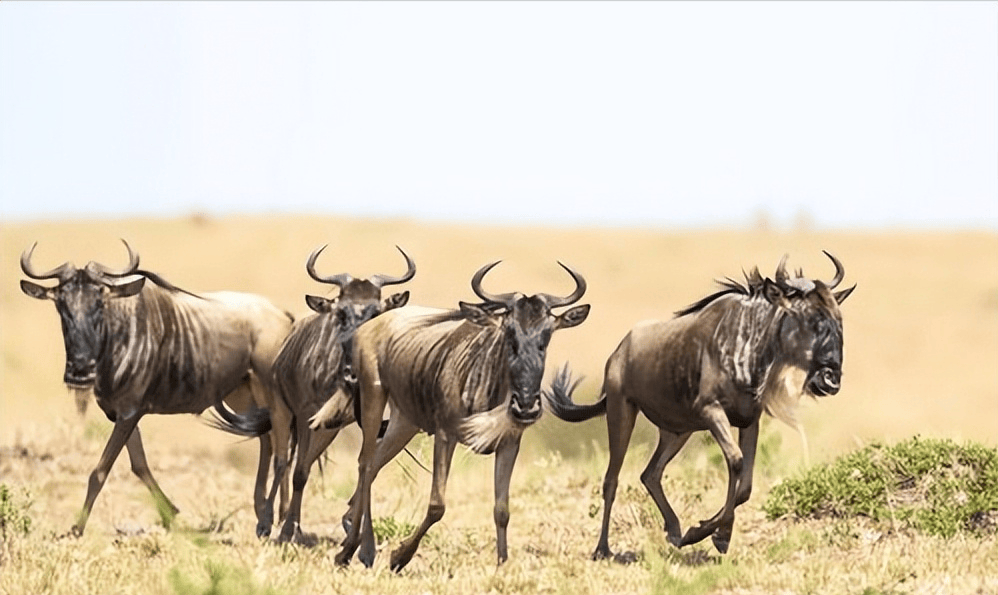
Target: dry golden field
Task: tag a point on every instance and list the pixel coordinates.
(921, 357)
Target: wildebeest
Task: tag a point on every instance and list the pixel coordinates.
(720, 362)
(313, 364)
(470, 375)
(152, 348)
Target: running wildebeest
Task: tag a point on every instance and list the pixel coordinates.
(470, 375)
(313, 364)
(153, 348)
(720, 362)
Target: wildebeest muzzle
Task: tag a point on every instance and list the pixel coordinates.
(525, 410)
(825, 381)
(80, 372)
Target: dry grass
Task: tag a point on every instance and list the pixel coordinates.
(921, 341)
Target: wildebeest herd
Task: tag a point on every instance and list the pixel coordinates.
(469, 375)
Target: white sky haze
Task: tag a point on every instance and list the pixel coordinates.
(651, 113)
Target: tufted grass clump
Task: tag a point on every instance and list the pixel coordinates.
(14, 519)
(937, 487)
(15, 522)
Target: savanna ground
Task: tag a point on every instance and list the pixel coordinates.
(921, 340)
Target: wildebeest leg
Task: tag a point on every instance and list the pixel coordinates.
(373, 402)
(275, 448)
(280, 438)
(123, 428)
(137, 456)
(668, 445)
(505, 459)
(264, 395)
(620, 418)
(747, 440)
(443, 452)
(311, 444)
(400, 431)
(280, 459)
(264, 512)
(721, 430)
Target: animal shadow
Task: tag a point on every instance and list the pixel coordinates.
(697, 558)
(628, 557)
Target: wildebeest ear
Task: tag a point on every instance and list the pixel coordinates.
(477, 314)
(37, 291)
(840, 296)
(573, 317)
(774, 294)
(396, 300)
(126, 289)
(319, 304)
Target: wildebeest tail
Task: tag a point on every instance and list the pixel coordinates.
(252, 424)
(559, 399)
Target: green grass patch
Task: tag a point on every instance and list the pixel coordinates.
(937, 487)
(221, 579)
(97, 430)
(698, 580)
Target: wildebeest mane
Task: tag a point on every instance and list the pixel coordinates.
(160, 281)
(753, 284)
(458, 314)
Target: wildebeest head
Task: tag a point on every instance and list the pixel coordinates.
(526, 324)
(80, 298)
(811, 331)
(359, 300)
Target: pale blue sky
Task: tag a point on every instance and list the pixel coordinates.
(653, 113)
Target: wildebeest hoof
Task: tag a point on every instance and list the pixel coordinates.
(601, 554)
(366, 556)
(399, 559)
(262, 530)
(721, 543)
(343, 558)
(289, 535)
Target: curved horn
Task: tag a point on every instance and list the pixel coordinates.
(133, 263)
(840, 271)
(505, 299)
(781, 272)
(338, 280)
(380, 281)
(63, 270)
(580, 289)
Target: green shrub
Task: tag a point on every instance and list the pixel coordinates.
(933, 486)
(387, 527)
